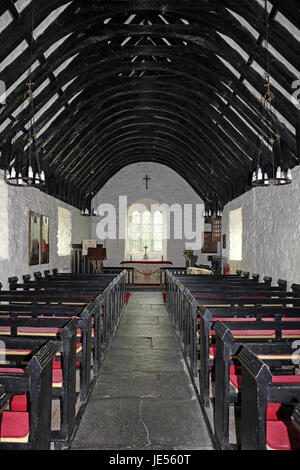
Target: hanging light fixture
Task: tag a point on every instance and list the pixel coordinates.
(25, 168)
(270, 168)
(87, 210)
(213, 204)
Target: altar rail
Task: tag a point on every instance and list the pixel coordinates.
(117, 270)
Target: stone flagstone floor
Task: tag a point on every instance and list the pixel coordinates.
(144, 398)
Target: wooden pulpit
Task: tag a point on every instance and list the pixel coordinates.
(97, 256)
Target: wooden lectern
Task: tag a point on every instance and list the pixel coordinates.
(97, 256)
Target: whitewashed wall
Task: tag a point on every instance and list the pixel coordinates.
(20, 202)
(165, 186)
(271, 230)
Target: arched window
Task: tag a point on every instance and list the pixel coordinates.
(146, 228)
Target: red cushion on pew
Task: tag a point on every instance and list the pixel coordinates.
(127, 295)
(250, 333)
(57, 376)
(56, 364)
(11, 370)
(291, 333)
(253, 333)
(15, 425)
(19, 403)
(282, 435)
(4, 329)
(39, 331)
(286, 379)
(164, 297)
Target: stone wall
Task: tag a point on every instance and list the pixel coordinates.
(20, 202)
(165, 186)
(271, 231)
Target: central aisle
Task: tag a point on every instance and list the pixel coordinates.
(144, 398)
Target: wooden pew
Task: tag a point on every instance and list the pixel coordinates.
(38, 320)
(177, 286)
(185, 318)
(48, 308)
(267, 403)
(38, 303)
(245, 318)
(18, 350)
(111, 298)
(277, 350)
(113, 293)
(30, 429)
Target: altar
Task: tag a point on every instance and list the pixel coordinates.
(146, 272)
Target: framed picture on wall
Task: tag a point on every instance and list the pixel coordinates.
(44, 239)
(34, 238)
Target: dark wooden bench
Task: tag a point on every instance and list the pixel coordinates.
(185, 318)
(29, 429)
(243, 319)
(279, 351)
(177, 287)
(113, 293)
(45, 321)
(268, 400)
(19, 350)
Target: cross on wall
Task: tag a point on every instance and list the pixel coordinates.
(147, 178)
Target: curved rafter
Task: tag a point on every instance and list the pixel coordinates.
(128, 81)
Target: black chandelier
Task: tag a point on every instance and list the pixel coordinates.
(213, 203)
(87, 210)
(269, 165)
(25, 168)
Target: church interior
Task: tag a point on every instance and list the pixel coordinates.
(150, 226)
